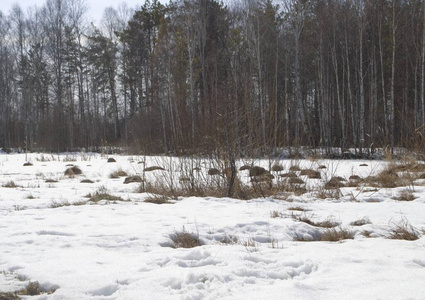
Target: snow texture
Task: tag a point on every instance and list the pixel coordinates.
(122, 249)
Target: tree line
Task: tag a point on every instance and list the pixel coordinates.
(193, 76)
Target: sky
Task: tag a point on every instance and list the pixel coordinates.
(95, 12)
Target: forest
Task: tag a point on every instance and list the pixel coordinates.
(194, 76)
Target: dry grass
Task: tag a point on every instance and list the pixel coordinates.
(73, 171)
(9, 296)
(118, 174)
(334, 183)
(403, 230)
(229, 239)
(153, 168)
(257, 171)
(276, 214)
(184, 239)
(295, 180)
(277, 168)
(10, 184)
(56, 204)
(102, 194)
(51, 181)
(328, 194)
(244, 167)
(405, 195)
(214, 171)
(297, 208)
(86, 181)
(288, 175)
(312, 174)
(158, 199)
(336, 235)
(135, 178)
(361, 222)
(294, 168)
(329, 222)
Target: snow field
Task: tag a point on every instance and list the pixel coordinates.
(123, 250)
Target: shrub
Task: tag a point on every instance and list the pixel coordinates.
(257, 171)
(111, 160)
(266, 177)
(184, 239)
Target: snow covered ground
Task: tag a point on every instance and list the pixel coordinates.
(123, 249)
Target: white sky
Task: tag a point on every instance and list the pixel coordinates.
(95, 12)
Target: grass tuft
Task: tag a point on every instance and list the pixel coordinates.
(336, 235)
(10, 184)
(184, 239)
(361, 222)
(403, 231)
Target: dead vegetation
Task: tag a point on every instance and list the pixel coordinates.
(10, 184)
(135, 178)
(329, 222)
(361, 222)
(158, 199)
(334, 183)
(153, 168)
(103, 194)
(311, 174)
(184, 239)
(336, 235)
(405, 195)
(329, 235)
(403, 230)
(72, 171)
(117, 174)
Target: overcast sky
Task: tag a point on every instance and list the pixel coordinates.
(95, 12)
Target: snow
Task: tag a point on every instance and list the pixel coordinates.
(123, 250)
